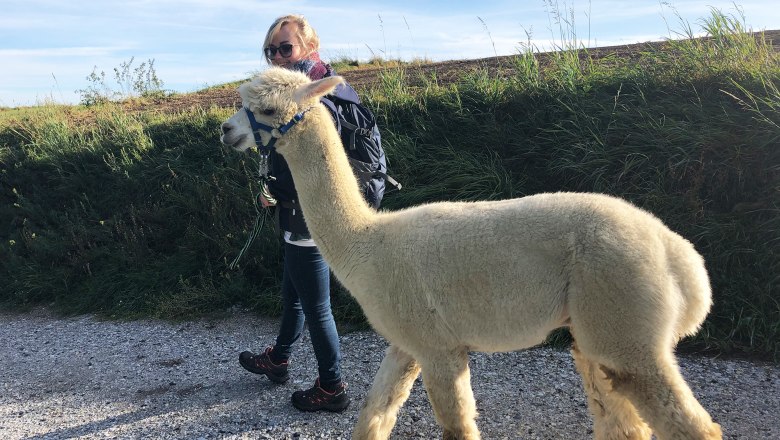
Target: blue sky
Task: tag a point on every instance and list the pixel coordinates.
(48, 47)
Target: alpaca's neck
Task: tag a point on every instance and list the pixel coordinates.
(336, 213)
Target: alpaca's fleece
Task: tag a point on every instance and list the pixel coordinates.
(442, 279)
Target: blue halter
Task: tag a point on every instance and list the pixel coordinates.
(257, 126)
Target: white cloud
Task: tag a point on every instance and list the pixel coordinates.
(43, 52)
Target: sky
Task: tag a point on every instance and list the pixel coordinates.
(48, 48)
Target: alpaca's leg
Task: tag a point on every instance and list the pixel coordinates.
(614, 417)
(638, 364)
(390, 389)
(448, 383)
(662, 397)
(625, 314)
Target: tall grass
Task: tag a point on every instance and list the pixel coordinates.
(139, 215)
(126, 215)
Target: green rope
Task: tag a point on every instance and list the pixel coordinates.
(260, 216)
(260, 211)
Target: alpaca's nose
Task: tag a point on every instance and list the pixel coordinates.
(226, 128)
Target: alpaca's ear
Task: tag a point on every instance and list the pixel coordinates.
(243, 91)
(316, 89)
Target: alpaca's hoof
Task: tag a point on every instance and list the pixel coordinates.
(639, 433)
(449, 435)
(715, 432)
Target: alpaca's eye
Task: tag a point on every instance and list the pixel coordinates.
(268, 112)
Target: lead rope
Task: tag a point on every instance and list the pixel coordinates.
(260, 212)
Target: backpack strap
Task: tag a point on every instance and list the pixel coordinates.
(355, 130)
(364, 172)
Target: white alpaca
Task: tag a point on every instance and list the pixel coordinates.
(442, 279)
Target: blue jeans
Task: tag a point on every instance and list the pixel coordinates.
(306, 297)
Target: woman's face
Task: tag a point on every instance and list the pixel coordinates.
(285, 37)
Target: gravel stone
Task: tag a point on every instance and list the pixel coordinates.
(87, 378)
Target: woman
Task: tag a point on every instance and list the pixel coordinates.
(293, 44)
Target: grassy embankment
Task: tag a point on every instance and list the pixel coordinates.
(137, 215)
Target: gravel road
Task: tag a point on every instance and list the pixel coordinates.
(87, 378)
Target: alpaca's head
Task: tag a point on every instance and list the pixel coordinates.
(273, 97)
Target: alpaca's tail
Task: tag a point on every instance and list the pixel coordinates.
(693, 282)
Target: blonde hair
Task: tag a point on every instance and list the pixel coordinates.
(306, 34)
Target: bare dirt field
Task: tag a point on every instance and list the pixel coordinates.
(445, 72)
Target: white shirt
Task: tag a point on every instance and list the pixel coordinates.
(308, 242)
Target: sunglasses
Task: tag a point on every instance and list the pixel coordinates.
(284, 50)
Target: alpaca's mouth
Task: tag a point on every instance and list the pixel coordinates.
(234, 142)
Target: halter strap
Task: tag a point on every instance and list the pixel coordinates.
(274, 132)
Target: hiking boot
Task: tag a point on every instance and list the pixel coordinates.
(316, 398)
(262, 364)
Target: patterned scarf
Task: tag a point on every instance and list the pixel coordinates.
(313, 66)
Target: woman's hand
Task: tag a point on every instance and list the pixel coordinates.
(266, 203)
(265, 197)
